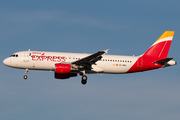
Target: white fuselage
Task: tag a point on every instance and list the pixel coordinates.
(38, 60)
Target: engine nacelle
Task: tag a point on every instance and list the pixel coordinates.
(62, 71)
(62, 68)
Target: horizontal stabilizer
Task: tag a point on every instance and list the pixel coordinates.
(163, 61)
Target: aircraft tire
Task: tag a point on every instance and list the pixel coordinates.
(84, 79)
(84, 82)
(25, 77)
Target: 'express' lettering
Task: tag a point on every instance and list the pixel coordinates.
(48, 58)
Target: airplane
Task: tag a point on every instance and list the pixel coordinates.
(66, 65)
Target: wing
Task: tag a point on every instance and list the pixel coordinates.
(91, 59)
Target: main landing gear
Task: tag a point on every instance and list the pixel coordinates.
(25, 76)
(84, 77)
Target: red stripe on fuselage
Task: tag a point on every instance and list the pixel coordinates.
(143, 64)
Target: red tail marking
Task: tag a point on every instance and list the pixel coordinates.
(159, 50)
(146, 64)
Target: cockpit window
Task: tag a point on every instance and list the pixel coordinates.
(14, 55)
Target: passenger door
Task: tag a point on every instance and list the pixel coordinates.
(26, 56)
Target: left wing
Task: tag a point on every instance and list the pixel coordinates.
(91, 59)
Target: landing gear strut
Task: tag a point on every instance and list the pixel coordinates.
(84, 77)
(25, 76)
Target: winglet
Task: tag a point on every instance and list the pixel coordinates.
(106, 51)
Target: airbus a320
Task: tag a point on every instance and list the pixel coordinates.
(66, 65)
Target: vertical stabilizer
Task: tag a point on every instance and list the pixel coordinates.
(161, 47)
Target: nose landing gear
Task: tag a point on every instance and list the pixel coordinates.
(25, 76)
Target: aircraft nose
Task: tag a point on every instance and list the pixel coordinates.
(5, 62)
(9, 62)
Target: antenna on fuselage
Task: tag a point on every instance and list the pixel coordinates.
(29, 50)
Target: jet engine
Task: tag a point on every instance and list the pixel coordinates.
(62, 71)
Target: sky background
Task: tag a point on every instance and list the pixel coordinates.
(126, 27)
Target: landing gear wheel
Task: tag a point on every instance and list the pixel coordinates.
(84, 79)
(83, 82)
(25, 77)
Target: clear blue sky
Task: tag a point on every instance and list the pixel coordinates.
(126, 27)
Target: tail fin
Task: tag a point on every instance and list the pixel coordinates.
(161, 47)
